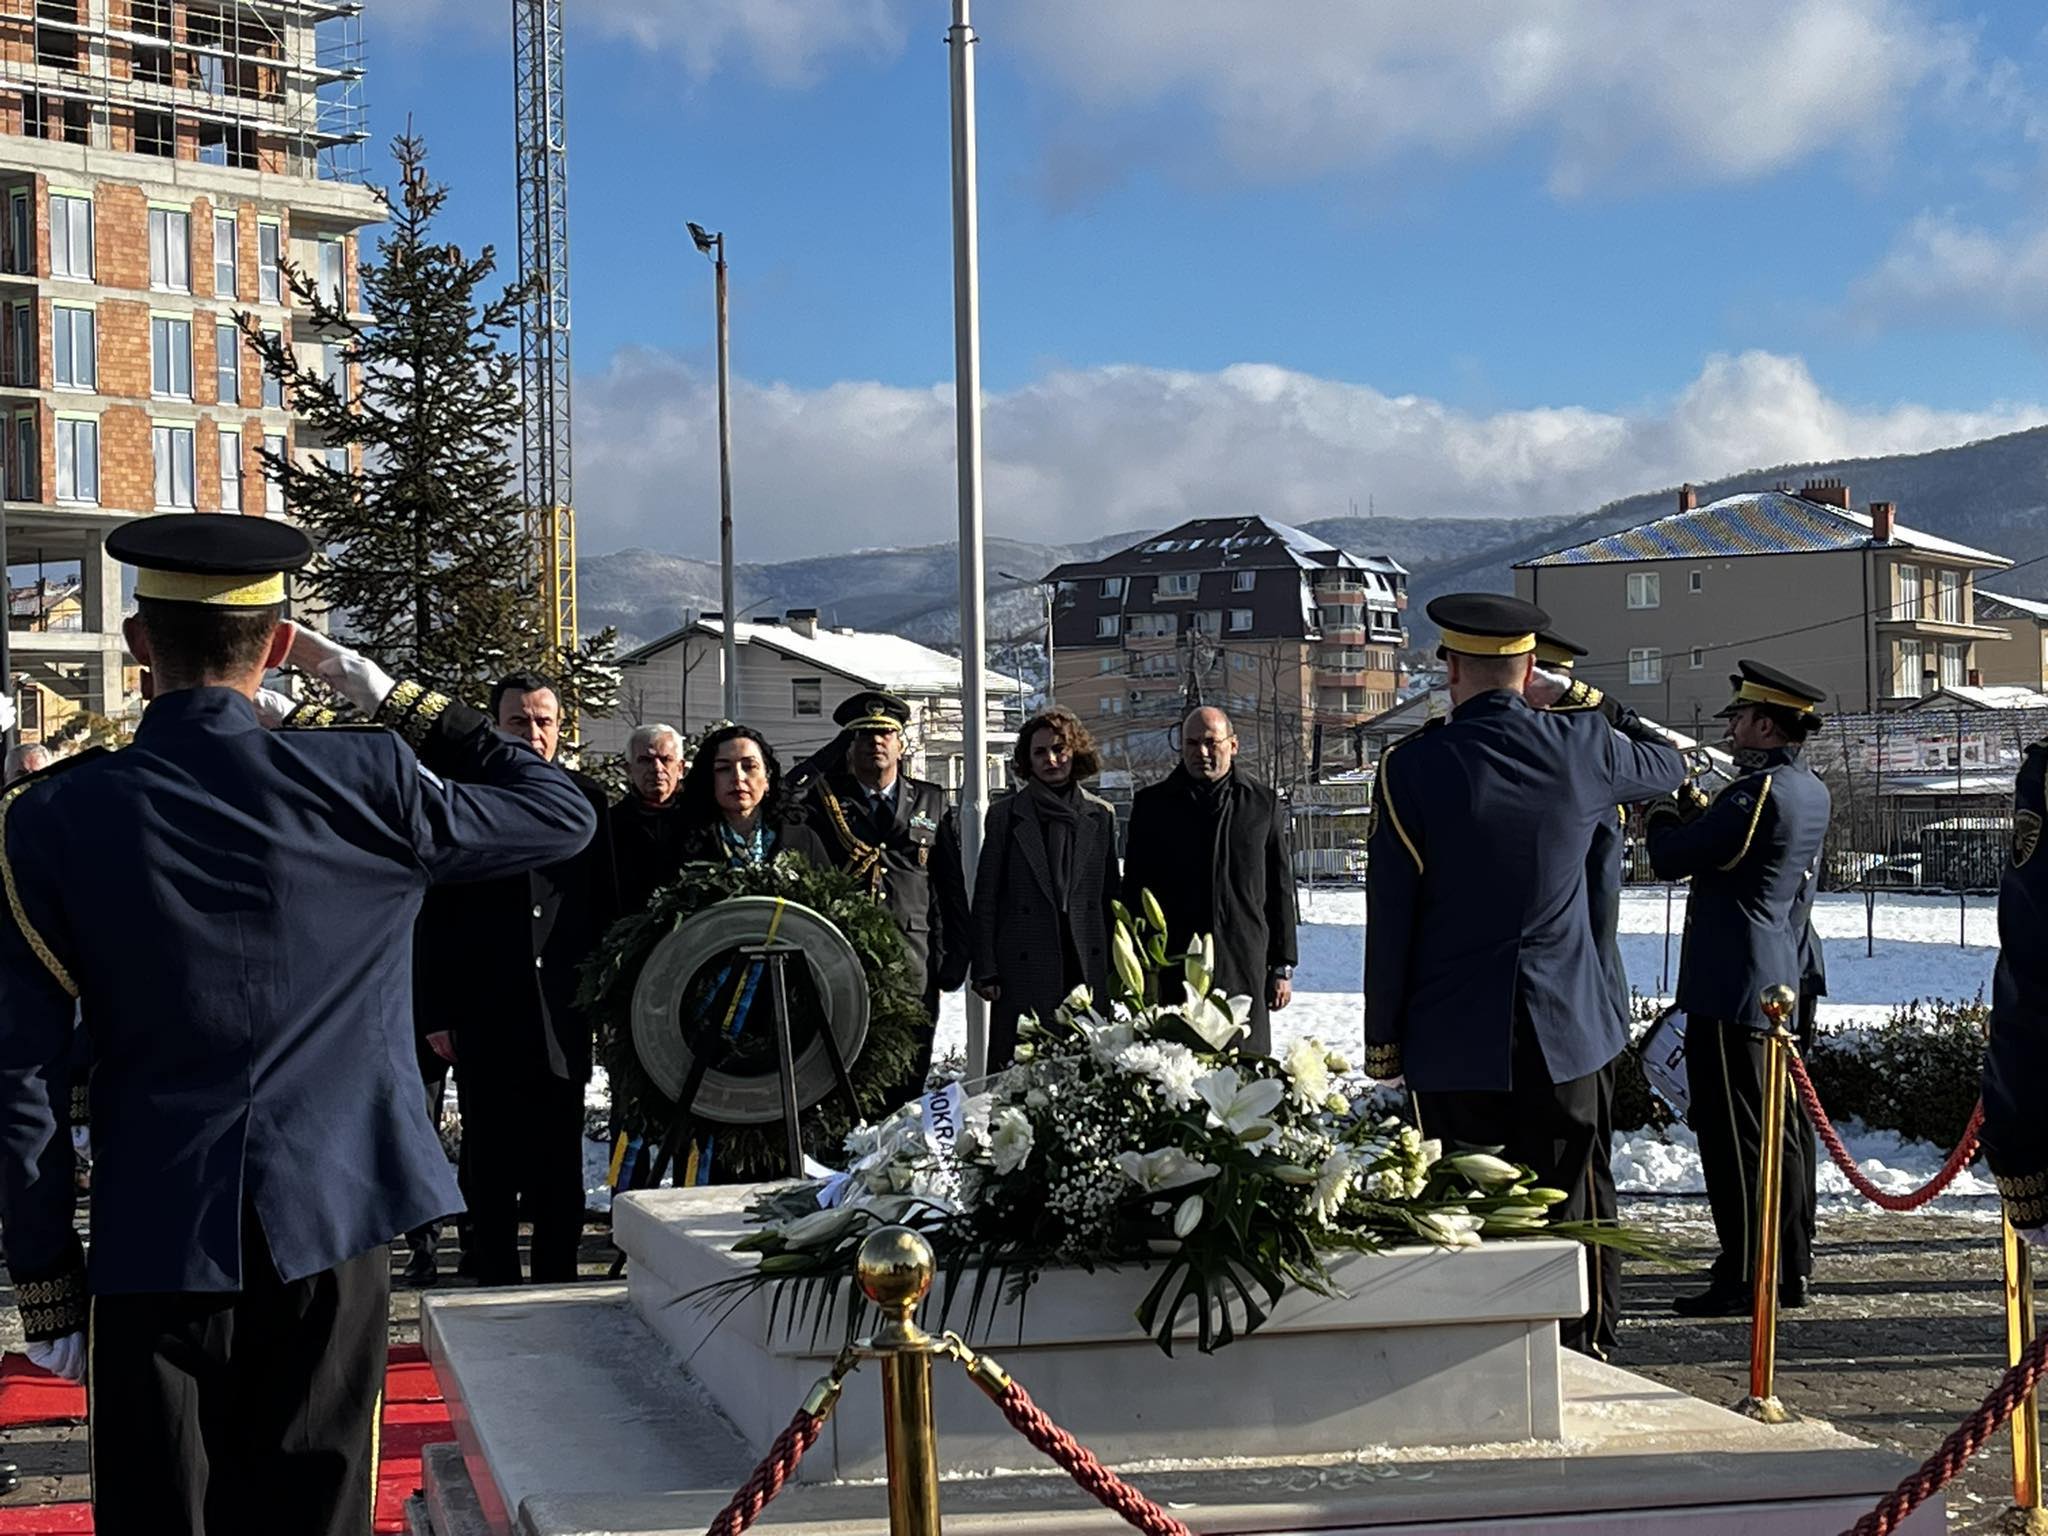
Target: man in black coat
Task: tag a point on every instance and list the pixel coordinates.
(1210, 844)
(497, 986)
(2016, 1056)
(645, 828)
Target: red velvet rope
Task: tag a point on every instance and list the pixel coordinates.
(1958, 1448)
(1111, 1491)
(775, 1470)
(1958, 1160)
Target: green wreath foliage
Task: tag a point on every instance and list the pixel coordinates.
(896, 1016)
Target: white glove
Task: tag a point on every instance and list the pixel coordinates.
(272, 707)
(6, 713)
(1396, 1081)
(60, 1357)
(1546, 687)
(355, 677)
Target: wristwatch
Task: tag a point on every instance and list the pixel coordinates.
(1282, 973)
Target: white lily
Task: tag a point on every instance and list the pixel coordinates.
(1189, 1216)
(820, 1228)
(1219, 1027)
(1009, 1139)
(1168, 1168)
(1241, 1107)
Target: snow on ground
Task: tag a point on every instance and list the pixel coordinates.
(1903, 947)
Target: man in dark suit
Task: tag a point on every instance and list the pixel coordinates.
(645, 828)
(901, 836)
(1210, 843)
(2016, 1056)
(233, 907)
(1751, 855)
(499, 1000)
(1484, 986)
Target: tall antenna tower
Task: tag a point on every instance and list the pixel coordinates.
(539, 107)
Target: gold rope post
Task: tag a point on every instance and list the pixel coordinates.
(895, 1269)
(2026, 1517)
(1762, 1403)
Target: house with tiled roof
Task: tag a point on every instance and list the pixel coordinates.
(2022, 657)
(1875, 613)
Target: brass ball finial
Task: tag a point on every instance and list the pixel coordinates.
(1779, 1000)
(895, 1269)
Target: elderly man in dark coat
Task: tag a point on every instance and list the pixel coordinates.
(1043, 887)
(1210, 844)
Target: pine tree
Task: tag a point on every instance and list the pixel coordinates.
(425, 564)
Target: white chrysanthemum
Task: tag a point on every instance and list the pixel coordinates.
(1307, 1064)
(1169, 1067)
(1387, 1184)
(1333, 1183)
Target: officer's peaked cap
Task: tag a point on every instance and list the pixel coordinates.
(1485, 624)
(1755, 683)
(216, 559)
(1553, 650)
(873, 710)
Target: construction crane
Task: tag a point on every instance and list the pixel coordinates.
(543, 192)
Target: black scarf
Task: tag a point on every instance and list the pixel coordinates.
(1058, 818)
(1212, 800)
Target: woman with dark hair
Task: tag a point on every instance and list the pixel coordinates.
(1042, 892)
(733, 808)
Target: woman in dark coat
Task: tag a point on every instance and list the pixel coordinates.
(1042, 892)
(733, 808)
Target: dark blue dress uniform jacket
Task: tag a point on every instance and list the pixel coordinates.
(1476, 891)
(235, 908)
(2016, 1061)
(1752, 855)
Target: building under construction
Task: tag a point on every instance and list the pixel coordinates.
(160, 162)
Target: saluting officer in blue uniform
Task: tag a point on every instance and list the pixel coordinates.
(2015, 1135)
(1558, 655)
(1751, 854)
(233, 907)
(1484, 988)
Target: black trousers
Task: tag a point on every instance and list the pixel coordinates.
(241, 1413)
(1724, 1068)
(1564, 1132)
(1809, 1141)
(522, 1139)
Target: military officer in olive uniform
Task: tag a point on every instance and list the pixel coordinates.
(2015, 1133)
(1559, 656)
(1751, 855)
(233, 908)
(1484, 988)
(901, 836)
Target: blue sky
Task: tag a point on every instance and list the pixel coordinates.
(1525, 260)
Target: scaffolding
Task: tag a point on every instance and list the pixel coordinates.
(270, 85)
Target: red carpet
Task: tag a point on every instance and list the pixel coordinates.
(414, 1418)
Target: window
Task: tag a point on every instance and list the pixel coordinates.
(1695, 581)
(1699, 658)
(1954, 671)
(269, 286)
(21, 350)
(1185, 584)
(1909, 593)
(227, 234)
(23, 468)
(1906, 680)
(73, 353)
(152, 60)
(172, 447)
(230, 470)
(1645, 589)
(227, 365)
(170, 250)
(21, 234)
(1645, 663)
(70, 236)
(1112, 586)
(331, 252)
(806, 696)
(273, 493)
(155, 134)
(1209, 622)
(1109, 664)
(1110, 704)
(336, 460)
(1243, 581)
(1107, 626)
(273, 386)
(57, 46)
(1240, 620)
(334, 368)
(1948, 596)
(1151, 626)
(78, 459)
(170, 357)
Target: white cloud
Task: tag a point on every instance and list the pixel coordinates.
(1942, 269)
(1722, 91)
(1084, 453)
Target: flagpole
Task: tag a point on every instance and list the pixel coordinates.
(967, 412)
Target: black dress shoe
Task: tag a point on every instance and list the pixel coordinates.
(1724, 1298)
(421, 1268)
(1795, 1291)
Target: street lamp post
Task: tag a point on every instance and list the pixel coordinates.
(714, 247)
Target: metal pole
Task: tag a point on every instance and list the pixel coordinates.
(967, 413)
(2026, 1513)
(729, 645)
(1762, 1403)
(895, 1270)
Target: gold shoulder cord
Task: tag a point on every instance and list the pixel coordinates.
(1384, 790)
(864, 860)
(43, 952)
(1756, 815)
